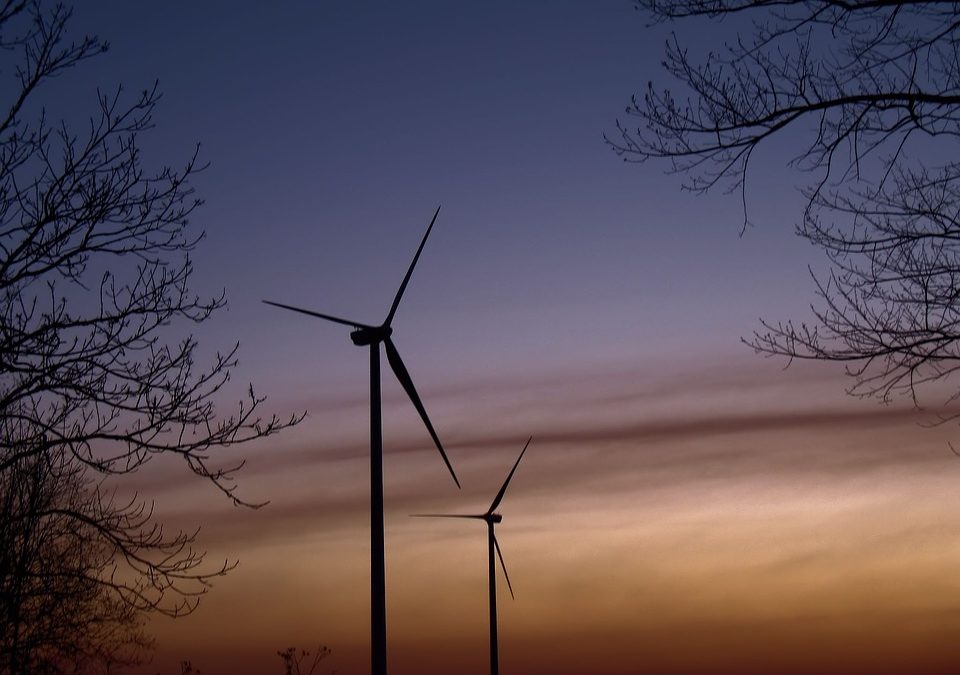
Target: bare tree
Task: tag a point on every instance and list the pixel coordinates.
(869, 91)
(58, 614)
(95, 379)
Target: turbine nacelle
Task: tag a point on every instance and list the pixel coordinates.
(491, 518)
(370, 335)
(364, 335)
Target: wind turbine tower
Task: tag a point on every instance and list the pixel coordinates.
(491, 518)
(365, 335)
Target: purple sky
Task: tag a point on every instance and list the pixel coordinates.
(563, 293)
(334, 129)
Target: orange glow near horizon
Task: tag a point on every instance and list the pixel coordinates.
(805, 540)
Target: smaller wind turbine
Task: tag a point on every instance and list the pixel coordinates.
(491, 519)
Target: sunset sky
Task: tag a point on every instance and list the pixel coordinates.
(686, 507)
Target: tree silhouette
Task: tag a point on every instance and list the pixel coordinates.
(95, 380)
(294, 660)
(56, 615)
(870, 93)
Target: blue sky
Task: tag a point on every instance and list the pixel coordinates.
(563, 293)
(334, 129)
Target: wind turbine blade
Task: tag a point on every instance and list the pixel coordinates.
(328, 317)
(503, 565)
(444, 515)
(503, 490)
(406, 279)
(393, 356)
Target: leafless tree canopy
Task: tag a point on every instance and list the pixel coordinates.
(57, 587)
(870, 93)
(95, 380)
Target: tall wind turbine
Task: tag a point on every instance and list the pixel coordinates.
(491, 519)
(364, 335)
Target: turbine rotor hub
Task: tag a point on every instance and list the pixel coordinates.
(370, 335)
(494, 517)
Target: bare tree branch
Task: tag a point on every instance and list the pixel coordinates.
(95, 380)
(870, 92)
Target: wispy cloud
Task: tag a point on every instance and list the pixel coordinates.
(320, 485)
